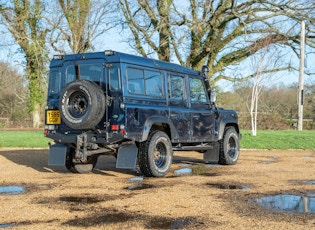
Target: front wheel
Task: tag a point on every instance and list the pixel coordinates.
(156, 155)
(229, 147)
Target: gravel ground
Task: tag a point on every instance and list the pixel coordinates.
(210, 197)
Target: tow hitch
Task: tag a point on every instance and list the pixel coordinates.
(84, 149)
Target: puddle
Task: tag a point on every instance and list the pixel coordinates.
(165, 223)
(82, 200)
(183, 171)
(229, 186)
(269, 161)
(303, 182)
(185, 165)
(138, 184)
(136, 179)
(197, 169)
(6, 225)
(11, 190)
(287, 203)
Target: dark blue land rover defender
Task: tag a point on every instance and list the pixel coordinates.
(137, 109)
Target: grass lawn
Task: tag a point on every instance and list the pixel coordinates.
(279, 139)
(265, 139)
(27, 139)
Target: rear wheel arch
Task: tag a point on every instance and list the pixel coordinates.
(155, 154)
(157, 124)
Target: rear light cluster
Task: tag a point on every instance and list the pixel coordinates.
(118, 128)
(49, 128)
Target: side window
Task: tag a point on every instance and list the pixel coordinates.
(114, 82)
(145, 82)
(197, 91)
(54, 82)
(135, 81)
(176, 88)
(153, 83)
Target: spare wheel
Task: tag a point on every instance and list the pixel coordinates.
(82, 105)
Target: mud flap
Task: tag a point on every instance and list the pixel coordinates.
(127, 156)
(212, 155)
(57, 155)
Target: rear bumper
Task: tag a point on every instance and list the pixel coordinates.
(95, 138)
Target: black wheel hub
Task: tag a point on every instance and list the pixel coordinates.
(78, 105)
(160, 155)
(232, 147)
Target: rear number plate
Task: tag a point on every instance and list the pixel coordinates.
(53, 117)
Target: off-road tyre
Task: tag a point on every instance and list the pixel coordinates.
(79, 167)
(82, 105)
(155, 155)
(229, 147)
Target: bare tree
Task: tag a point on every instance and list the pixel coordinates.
(263, 63)
(77, 23)
(13, 93)
(24, 20)
(219, 33)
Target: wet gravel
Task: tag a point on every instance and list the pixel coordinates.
(193, 195)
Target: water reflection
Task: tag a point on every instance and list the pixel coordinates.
(13, 190)
(269, 161)
(312, 182)
(183, 171)
(288, 203)
(136, 179)
(6, 225)
(137, 184)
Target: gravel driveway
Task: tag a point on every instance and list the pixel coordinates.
(193, 195)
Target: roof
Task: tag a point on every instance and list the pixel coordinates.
(118, 57)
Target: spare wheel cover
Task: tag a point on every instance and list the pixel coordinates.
(82, 105)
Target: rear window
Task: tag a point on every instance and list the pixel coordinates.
(90, 72)
(54, 82)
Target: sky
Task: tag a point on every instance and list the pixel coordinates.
(112, 40)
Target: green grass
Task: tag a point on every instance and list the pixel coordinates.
(27, 139)
(265, 139)
(280, 139)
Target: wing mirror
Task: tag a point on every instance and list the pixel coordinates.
(213, 97)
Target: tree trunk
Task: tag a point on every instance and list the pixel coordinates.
(25, 20)
(37, 121)
(254, 106)
(256, 113)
